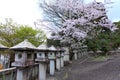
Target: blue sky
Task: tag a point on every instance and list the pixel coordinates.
(27, 11)
(113, 9)
(21, 11)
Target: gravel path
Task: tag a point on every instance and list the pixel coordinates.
(90, 70)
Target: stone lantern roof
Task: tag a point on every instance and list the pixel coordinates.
(75, 51)
(25, 45)
(62, 49)
(43, 47)
(58, 49)
(85, 46)
(52, 48)
(3, 47)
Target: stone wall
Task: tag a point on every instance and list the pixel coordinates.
(8, 74)
(11, 73)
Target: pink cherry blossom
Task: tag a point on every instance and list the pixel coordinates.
(80, 18)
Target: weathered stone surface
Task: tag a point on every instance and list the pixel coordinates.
(25, 45)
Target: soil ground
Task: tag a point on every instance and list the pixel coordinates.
(87, 69)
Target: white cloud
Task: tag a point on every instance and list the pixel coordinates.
(21, 11)
(27, 11)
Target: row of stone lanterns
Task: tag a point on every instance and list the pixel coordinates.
(24, 57)
(80, 52)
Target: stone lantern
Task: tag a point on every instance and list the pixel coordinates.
(84, 50)
(51, 57)
(42, 60)
(62, 57)
(75, 54)
(58, 58)
(24, 57)
(66, 54)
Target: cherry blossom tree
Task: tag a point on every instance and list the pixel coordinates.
(75, 19)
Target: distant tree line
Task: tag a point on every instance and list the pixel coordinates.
(105, 41)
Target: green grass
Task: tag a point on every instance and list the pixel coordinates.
(66, 76)
(100, 58)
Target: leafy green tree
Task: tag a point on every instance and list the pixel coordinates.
(103, 42)
(50, 42)
(12, 33)
(116, 37)
(7, 31)
(36, 37)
